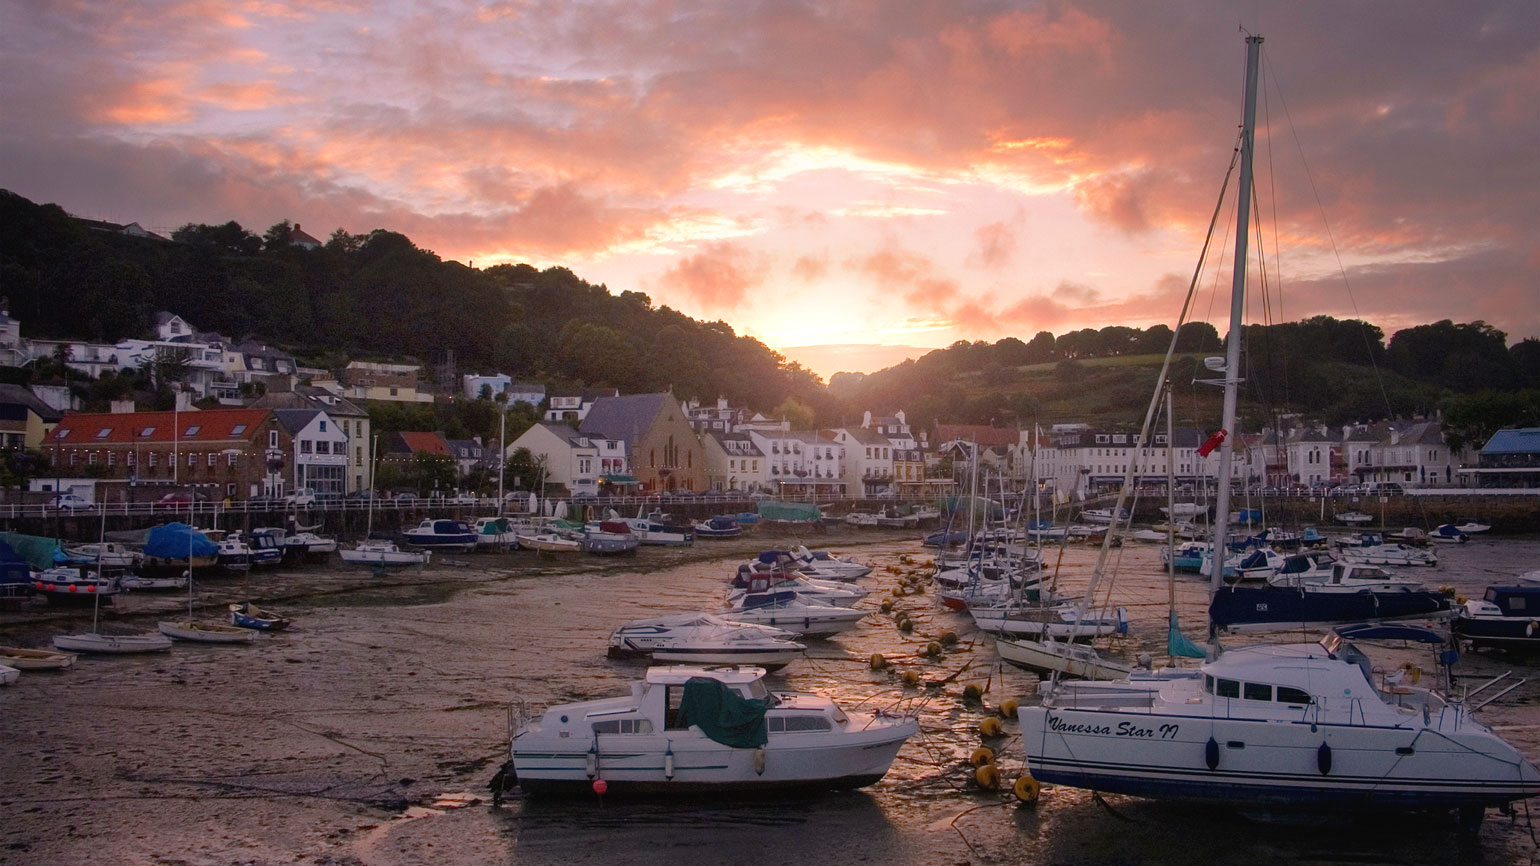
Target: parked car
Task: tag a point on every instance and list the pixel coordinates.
(460, 499)
(405, 499)
(301, 498)
(175, 501)
(70, 502)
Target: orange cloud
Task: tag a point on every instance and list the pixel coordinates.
(719, 277)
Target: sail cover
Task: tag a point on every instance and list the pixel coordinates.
(724, 715)
(177, 541)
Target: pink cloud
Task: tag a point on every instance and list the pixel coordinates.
(719, 277)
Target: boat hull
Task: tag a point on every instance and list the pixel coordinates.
(1279, 607)
(207, 633)
(36, 660)
(1069, 659)
(112, 644)
(1265, 765)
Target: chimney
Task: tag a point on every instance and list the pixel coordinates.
(122, 407)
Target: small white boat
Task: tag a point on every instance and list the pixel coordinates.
(442, 534)
(68, 585)
(821, 564)
(112, 643)
(1071, 659)
(110, 554)
(704, 638)
(549, 542)
(1354, 518)
(1471, 526)
(1389, 554)
(8, 675)
(1038, 621)
(667, 735)
(1448, 533)
(1149, 536)
(379, 553)
(205, 632)
(308, 545)
(140, 583)
(234, 553)
(495, 532)
(835, 593)
(785, 610)
(36, 659)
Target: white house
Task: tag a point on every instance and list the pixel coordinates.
(532, 393)
(571, 458)
(320, 458)
(801, 462)
(575, 405)
(868, 460)
(1414, 454)
(473, 384)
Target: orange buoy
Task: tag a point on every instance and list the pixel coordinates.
(988, 777)
(981, 756)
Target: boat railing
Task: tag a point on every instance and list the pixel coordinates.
(518, 715)
(1500, 678)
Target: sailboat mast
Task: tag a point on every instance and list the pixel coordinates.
(1237, 307)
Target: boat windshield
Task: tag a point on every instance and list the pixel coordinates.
(1341, 648)
(757, 689)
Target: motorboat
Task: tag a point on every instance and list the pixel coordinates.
(247, 615)
(1448, 533)
(176, 547)
(652, 531)
(718, 527)
(495, 533)
(36, 659)
(834, 593)
(309, 546)
(1258, 565)
(144, 583)
(1271, 728)
(689, 729)
(8, 675)
(112, 644)
(1056, 620)
(1503, 617)
(1149, 536)
(705, 638)
(267, 548)
(441, 534)
(207, 632)
(610, 537)
(109, 554)
(944, 538)
(234, 553)
(826, 565)
(1189, 557)
(69, 585)
(1267, 608)
(1472, 526)
(1389, 553)
(860, 518)
(1327, 575)
(1101, 516)
(789, 611)
(381, 553)
(1354, 518)
(1312, 566)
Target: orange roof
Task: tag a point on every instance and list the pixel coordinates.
(216, 425)
(431, 443)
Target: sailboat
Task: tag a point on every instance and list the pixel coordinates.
(191, 629)
(95, 642)
(378, 553)
(1293, 727)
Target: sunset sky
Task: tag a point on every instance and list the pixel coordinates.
(852, 183)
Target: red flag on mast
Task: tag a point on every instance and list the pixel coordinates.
(1213, 442)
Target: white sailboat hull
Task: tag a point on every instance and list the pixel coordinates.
(1075, 660)
(207, 632)
(112, 644)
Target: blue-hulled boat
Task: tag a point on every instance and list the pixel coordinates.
(247, 615)
(439, 534)
(1505, 617)
(1241, 608)
(718, 527)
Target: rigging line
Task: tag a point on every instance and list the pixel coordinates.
(1379, 377)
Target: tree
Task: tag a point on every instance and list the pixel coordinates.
(798, 413)
(279, 236)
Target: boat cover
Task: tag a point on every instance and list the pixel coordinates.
(39, 552)
(178, 541)
(798, 512)
(13, 569)
(724, 715)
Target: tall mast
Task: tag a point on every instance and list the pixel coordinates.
(1232, 370)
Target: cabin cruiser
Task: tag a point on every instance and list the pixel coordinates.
(704, 638)
(1345, 577)
(107, 553)
(65, 584)
(720, 526)
(789, 611)
(379, 553)
(1278, 727)
(609, 537)
(825, 565)
(1387, 553)
(654, 531)
(1504, 617)
(442, 534)
(495, 532)
(1448, 533)
(234, 553)
(688, 729)
(833, 593)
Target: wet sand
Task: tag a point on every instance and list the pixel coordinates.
(337, 741)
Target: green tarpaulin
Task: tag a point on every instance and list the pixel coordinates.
(39, 552)
(799, 512)
(724, 715)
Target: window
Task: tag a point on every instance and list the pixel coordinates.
(152, 459)
(272, 438)
(104, 433)
(192, 430)
(1293, 696)
(192, 461)
(90, 459)
(73, 458)
(131, 458)
(304, 446)
(213, 460)
(238, 430)
(323, 426)
(230, 459)
(1228, 689)
(791, 724)
(112, 458)
(323, 447)
(1258, 692)
(623, 726)
(672, 698)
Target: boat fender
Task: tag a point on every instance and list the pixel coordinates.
(668, 763)
(593, 762)
(1027, 789)
(600, 786)
(505, 778)
(1211, 753)
(1323, 758)
(759, 761)
(1529, 630)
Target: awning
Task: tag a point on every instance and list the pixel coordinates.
(618, 479)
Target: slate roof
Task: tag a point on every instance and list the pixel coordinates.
(866, 436)
(16, 395)
(624, 418)
(307, 397)
(295, 420)
(1521, 440)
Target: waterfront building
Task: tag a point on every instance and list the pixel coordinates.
(868, 460)
(1511, 458)
(25, 420)
(319, 457)
(664, 453)
(734, 463)
(574, 406)
(352, 420)
(570, 458)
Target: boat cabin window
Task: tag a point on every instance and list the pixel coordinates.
(791, 724)
(1258, 692)
(755, 690)
(623, 726)
(673, 697)
(1516, 602)
(1292, 696)
(1228, 689)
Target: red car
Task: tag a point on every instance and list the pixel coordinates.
(175, 501)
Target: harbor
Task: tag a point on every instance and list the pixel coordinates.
(368, 731)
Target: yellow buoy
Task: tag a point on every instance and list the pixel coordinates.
(990, 727)
(933, 649)
(981, 756)
(878, 662)
(911, 678)
(1027, 789)
(906, 624)
(988, 777)
(973, 693)
(948, 638)
(887, 606)
(1008, 708)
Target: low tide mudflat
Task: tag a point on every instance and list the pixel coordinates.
(367, 734)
